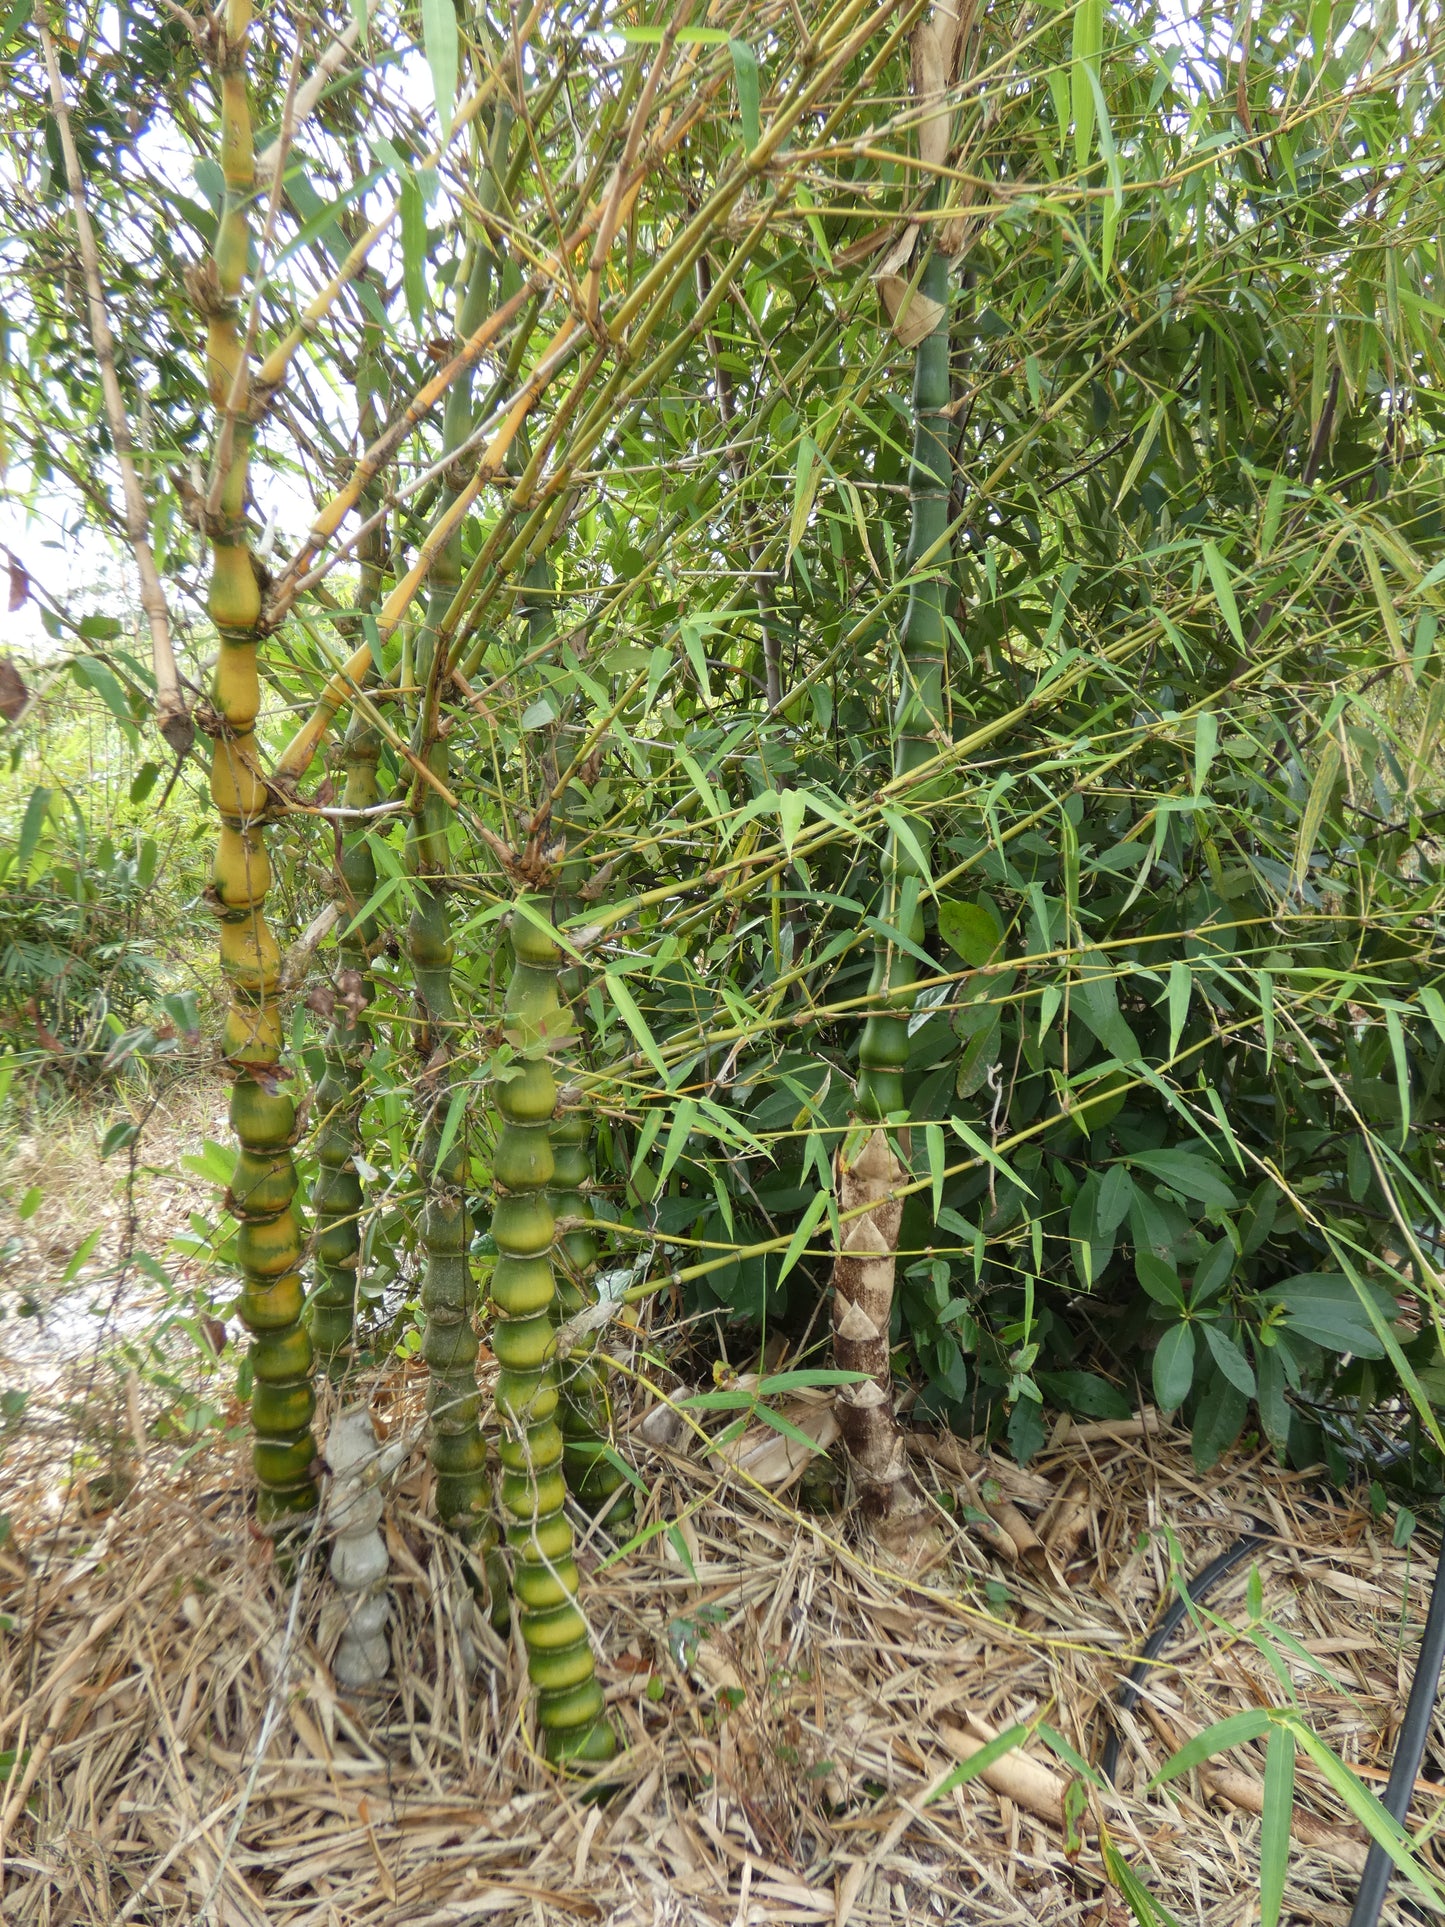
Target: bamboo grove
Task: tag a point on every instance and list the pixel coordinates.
(821, 684)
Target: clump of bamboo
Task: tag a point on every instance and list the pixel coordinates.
(534, 1488)
(263, 1185)
(863, 1275)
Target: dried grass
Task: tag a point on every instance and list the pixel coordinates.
(189, 1755)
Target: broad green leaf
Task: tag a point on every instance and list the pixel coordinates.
(1188, 1173)
(970, 929)
(1174, 1367)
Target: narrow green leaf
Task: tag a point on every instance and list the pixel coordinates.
(1396, 1031)
(441, 44)
(976, 1763)
(413, 242)
(745, 73)
(31, 825)
(1367, 1809)
(1206, 743)
(1088, 39)
(456, 1111)
(1141, 453)
(807, 1225)
(1181, 988)
(635, 1022)
(1276, 1824)
(1235, 1730)
(937, 1159)
(986, 1151)
(1223, 589)
(1315, 807)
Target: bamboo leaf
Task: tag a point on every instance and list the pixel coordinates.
(745, 73)
(1141, 452)
(807, 1225)
(1238, 1729)
(31, 825)
(987, 1755)
(1381, 1825)
(1223, 589)
(1276, 1824)
(1314, 811)
(441, 44)
(1088, 40)
(635, 1022)
(1181, 988)
(937, 1159)
(986, 1151)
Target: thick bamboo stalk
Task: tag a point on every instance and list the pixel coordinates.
(534, 1489)
(868, 1171)
(337, 1196)
(263, 1116)
(455, 1445)
(585, 1406)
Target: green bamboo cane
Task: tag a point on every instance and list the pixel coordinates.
(586, 1414)
(868, 1169)
(337, 1195)
(455, 1445)
(263, 1116)
(534, 1489)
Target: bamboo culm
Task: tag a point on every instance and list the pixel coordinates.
(337, 1196)
(868, 1167)
(534, 1487)
(593, 1476)
(262, 1192)
(455, 1445)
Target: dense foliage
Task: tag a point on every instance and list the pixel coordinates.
(1166, 870)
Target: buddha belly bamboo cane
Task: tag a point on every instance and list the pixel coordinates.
(263, 1183)
(863, 1275)
(534, 1489)
(585, 1407)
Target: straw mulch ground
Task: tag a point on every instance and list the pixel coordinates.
(789, 1708)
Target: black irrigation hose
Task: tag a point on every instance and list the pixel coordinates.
(1194, 1592)
(1409, 1750)
(1414, 1731)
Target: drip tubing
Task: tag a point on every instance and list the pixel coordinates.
(1414, 1730)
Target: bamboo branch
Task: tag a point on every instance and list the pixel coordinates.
(172, 717)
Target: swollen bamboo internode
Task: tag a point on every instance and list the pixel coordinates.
(270, 1242)
(534, 1488)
